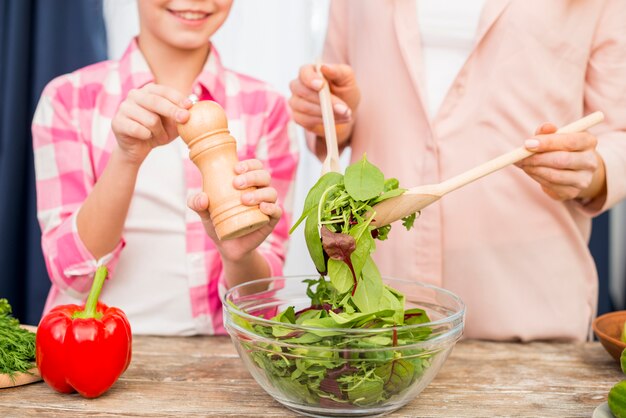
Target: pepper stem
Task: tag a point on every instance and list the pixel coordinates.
(94, 294)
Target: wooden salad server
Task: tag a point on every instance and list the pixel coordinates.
(331, 162)
(214, 151)
(417, 198)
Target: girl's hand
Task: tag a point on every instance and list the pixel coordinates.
(566, 165)
(147, 119)
(305, 102)
(250, 174)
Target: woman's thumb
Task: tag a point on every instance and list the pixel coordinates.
(338, 74)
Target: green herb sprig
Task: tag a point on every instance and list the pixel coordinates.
(17, 345)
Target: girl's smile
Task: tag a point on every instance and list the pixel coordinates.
(190, 17)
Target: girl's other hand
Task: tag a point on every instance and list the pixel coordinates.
(148, 118)
(250, 173)
(305, 102)
(566, 165)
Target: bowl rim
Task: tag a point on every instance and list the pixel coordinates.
(603, 335)
(459, 314)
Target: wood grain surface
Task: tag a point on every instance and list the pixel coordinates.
(203, 376)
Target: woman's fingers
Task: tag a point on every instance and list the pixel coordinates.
(563, 160)
(300, 105)
(579, 141)
(573, 178)
(546, 128)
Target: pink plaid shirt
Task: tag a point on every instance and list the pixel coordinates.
(73, 141)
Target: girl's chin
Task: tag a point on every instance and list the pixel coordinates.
(191, 42)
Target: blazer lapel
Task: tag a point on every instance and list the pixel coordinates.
(407, 32)
(491, 12)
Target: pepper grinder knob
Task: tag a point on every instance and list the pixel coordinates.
(214, 151)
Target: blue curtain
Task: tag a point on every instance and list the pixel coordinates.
(599, 245)
(39, 40)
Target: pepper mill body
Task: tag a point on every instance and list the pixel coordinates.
(214, 151)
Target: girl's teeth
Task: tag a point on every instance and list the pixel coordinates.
(191, 15)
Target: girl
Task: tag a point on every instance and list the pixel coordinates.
(112, 178)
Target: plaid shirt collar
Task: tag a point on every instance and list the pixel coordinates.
(135, 73)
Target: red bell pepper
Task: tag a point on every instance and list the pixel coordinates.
(84, 348)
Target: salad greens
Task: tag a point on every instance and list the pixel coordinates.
(313, 360)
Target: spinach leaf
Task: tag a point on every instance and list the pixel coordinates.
(314, 242)
(367, 296)
(313, 197)
(364, 180)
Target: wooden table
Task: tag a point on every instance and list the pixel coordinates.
(203, 376)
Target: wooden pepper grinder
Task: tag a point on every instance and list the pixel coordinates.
(214, 151)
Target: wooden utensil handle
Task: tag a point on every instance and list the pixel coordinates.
(330, 132)
(514, 156)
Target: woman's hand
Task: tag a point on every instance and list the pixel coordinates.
(566, 165)
(147, 119)
(250, 173)
(305, 102)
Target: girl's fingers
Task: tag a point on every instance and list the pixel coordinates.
(159, 104)
(129, 128)
(255, 197)
(248, 165)
(199, 203)
(273, 211)
(255, 178)
(144, 117)
(169, 93)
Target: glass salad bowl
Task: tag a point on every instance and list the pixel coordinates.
(367, 370)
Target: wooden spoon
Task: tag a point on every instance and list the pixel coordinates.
(331, 162)
(417, 198)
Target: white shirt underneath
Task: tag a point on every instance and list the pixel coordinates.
(448, 32)
(151, 278)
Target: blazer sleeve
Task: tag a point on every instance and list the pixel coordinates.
(605, 90)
